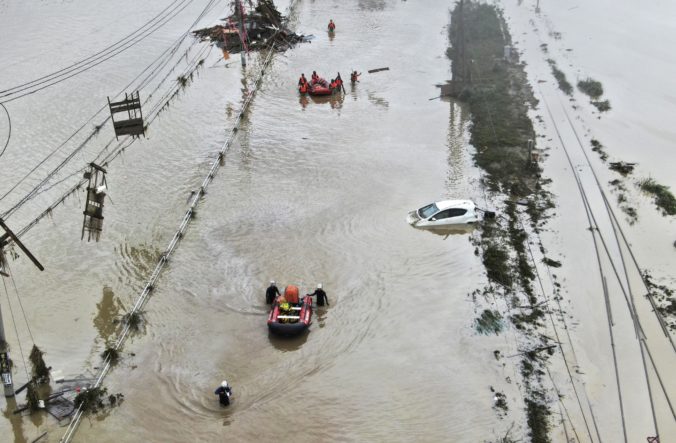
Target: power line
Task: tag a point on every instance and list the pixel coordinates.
(9, 135)
(96, 59)
(167, 53)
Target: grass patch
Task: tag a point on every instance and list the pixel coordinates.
(538, 421)
(591, 87)
(496, 262)
(489, 322)
(598, 148)
(498, 95)
(560, 77)
(664, 199)
(112, 354)
(601, 105)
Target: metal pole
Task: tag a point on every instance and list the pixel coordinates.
(5, 368)
(240, 18)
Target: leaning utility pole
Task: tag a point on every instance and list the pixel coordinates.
(242, 36)
(5, 365)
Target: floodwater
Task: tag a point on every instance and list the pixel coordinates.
(623, 388)
(312, 191)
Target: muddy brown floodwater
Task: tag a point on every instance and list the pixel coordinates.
(313, 191)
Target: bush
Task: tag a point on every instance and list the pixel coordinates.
(591, 87)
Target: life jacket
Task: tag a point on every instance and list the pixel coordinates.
(303, 88)
(332, 26)
(333, 85)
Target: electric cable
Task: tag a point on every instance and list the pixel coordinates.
(171, 50)
(13, 88)
(9, 133)
(16, 330)
(107, 55)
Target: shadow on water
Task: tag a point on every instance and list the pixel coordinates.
(288, 344)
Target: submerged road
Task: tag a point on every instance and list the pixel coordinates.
(312, 191)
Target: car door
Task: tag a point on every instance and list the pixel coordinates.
(451, 216)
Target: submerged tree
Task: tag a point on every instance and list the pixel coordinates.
(40, 369)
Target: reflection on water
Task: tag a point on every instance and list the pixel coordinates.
(448, 230)
(378, 101)
(457, 128)
(335, 100)
(288, 344)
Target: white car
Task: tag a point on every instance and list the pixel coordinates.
(444, 213)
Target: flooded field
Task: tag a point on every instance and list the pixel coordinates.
(312, 191)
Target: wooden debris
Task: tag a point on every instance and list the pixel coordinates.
(262, 27)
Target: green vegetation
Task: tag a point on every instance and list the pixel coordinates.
(560, 77)
(591, 87)
(135, 320)
(40, 369)
(498, 96)
(598, 147)
(664, 296)
(602, 106)
(94, 399)
(664, 199)
(489, 322)
(32, 397)
(495, 261)
(112, 354)
(538, 421)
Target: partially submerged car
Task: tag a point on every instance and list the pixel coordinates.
(444, 213)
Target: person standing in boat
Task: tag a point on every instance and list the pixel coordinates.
(224, 392)
(271, 292)
(321, 295)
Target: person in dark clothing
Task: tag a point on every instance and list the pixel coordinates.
(224, 392)
(321, 295)
(271, 293)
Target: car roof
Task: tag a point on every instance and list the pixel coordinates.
(446, 204)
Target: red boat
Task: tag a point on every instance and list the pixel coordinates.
(320, 87)
(289, 315)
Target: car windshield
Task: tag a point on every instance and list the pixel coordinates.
(428, 211)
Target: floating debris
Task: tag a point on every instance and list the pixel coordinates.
(261, 28)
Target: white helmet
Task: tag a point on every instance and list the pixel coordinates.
(272, 282)
(224, 384)
(319, 286)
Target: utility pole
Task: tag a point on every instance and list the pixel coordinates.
(5, 366)
(242, 36)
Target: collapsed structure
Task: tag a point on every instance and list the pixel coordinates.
(257, 29)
